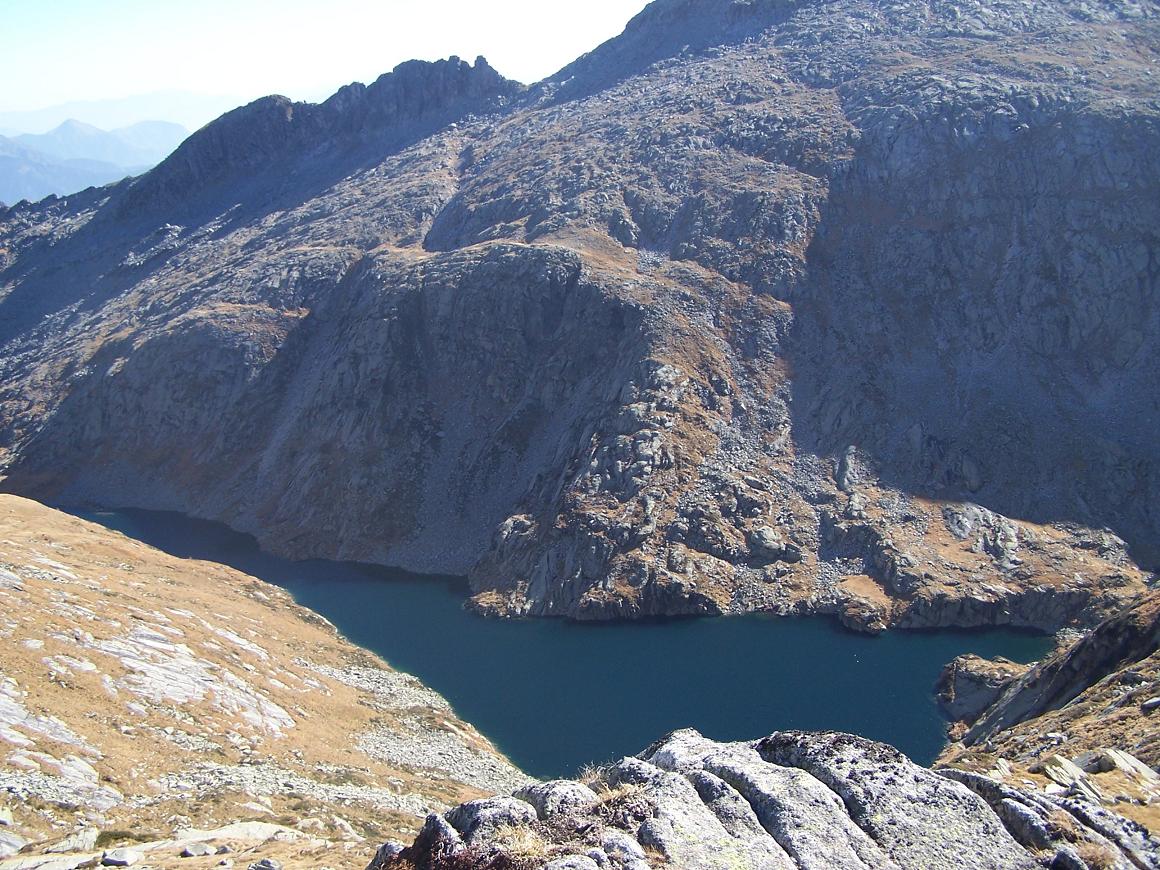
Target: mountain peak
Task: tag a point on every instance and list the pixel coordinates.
(668, 27)
(73, 126)
(417, 89)
(414, 99)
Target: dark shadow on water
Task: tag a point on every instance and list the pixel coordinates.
(555, 695)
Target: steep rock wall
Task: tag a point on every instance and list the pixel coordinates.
(818, 307)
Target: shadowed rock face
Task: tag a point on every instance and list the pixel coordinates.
(791, 800)
(969, 685)
(832, 307)
(1078, 726)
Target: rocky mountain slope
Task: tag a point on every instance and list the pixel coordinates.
(1084, 718)
(839, 307)
(154, 703)
(790, 800)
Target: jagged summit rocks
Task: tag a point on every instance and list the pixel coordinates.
(793, 800)
(868, 279)
(360, 121)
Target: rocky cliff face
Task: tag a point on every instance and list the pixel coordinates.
(970, 684)
(791, 800)
(1080, 723)
(804, 307)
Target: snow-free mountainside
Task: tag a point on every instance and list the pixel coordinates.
(148, 699)
(811, 307)
(841, 307)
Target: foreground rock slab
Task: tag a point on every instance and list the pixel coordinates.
(814, 801)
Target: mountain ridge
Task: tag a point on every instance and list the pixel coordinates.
(810, 321)
(415, 99)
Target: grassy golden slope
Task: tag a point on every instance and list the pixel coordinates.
(143, 693)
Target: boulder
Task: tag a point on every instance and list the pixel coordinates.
(480, 819)
(84, 840)
(790, 801)
(765, 544)
(11, 843)
(558, 796)
(198, 850)
(126, 858)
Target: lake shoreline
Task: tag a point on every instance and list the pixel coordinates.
(523, 682)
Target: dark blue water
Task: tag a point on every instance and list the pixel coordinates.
(555, 695)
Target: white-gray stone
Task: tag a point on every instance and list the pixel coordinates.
(122, 857)
(557, 796)
(572, 862)
(479, 819)
(794, 801)
(84, 840)
(11, 843)
(198, 850)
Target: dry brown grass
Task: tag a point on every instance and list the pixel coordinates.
(623, 806)
(607, 793)
(1097, 855)
(590, 775)
(1062, 826)
(655, 857)
(125, 583)
(521, 841)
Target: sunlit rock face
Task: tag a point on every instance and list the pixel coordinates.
(793, 800)
(802, 307)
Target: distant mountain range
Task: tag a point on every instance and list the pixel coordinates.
(76, 155)
(190, 110)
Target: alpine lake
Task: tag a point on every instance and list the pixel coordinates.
(555, 695)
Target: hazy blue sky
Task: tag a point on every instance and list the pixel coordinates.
(56, 51)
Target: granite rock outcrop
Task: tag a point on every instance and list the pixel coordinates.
(791, 800)
(970, 684)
